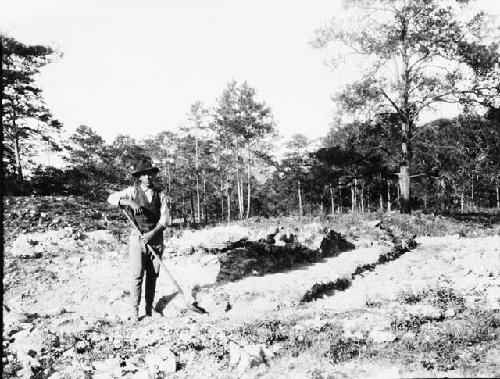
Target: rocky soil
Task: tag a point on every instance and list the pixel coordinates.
(353, 296)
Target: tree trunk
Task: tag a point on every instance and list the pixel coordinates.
(191, 203)
(353, 195)
(239, 183)
(380, 196)
(248, 184)
(321, 205)
(238, 189)
(242, 200)
(221, 198)
(228, 195)
(300, 198)
(472, 192)
(443, 194)
(168, 179)
(183, 202)
(198, 214)
(404, 185)
(407, 129)
(498, 197)
(332, 200)
(389, 204)
(362, 196)
(19, 169)
(204, 202)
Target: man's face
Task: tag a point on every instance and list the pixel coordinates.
(147, 178)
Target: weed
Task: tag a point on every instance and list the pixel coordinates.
(451, 343)
(343, 349)
(265, 332)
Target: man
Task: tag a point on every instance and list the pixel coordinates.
(150, 211)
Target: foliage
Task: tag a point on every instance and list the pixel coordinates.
(25, 117)
(412, 55)
(242, 123)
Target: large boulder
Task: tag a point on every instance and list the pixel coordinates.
(25, 246)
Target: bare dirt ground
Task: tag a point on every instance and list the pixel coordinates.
(351, 296)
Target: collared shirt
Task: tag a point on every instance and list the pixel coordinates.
(128, 193)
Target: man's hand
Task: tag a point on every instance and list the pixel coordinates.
(136, 208)
(148, 236)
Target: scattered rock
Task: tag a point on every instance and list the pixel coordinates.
(247, 356)
(26, 342)
(81, 346)
(12, 320)
(379, 336)
(28, 361)
(26, 247)
(102, 375)
(162, 359)
(355, 335)
(100, 236)
(26, 372)
(408, 336)
(251, 356)
(107, 366)
(449, 313)
(75, 260)
(493, 297)
(141, 375)
(373, 224)
(234, 353)
(424, 310)
(56, 311)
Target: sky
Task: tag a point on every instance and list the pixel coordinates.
(135, 67)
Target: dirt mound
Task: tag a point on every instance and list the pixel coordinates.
(28, 214)
(247, 258)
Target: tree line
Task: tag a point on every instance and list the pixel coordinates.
(222, 163)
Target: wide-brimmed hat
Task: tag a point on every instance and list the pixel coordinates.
(143, 167)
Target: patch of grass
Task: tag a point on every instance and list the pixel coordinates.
(267, 332)
(344, 349)
(422, 224)
(409, 297)
(452, 344)
(441, 297)
(460, 342)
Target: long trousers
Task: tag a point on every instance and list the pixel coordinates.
(142, 262)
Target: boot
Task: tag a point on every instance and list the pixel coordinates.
(149, 310)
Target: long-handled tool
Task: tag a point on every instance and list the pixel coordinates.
(191, 306)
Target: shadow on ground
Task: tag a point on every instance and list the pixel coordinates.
(163, 302)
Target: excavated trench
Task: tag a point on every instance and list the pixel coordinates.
(402, 245)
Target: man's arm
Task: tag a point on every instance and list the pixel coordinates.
(165, 219)
(125, 197)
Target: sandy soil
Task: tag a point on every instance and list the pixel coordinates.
(67, 309)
